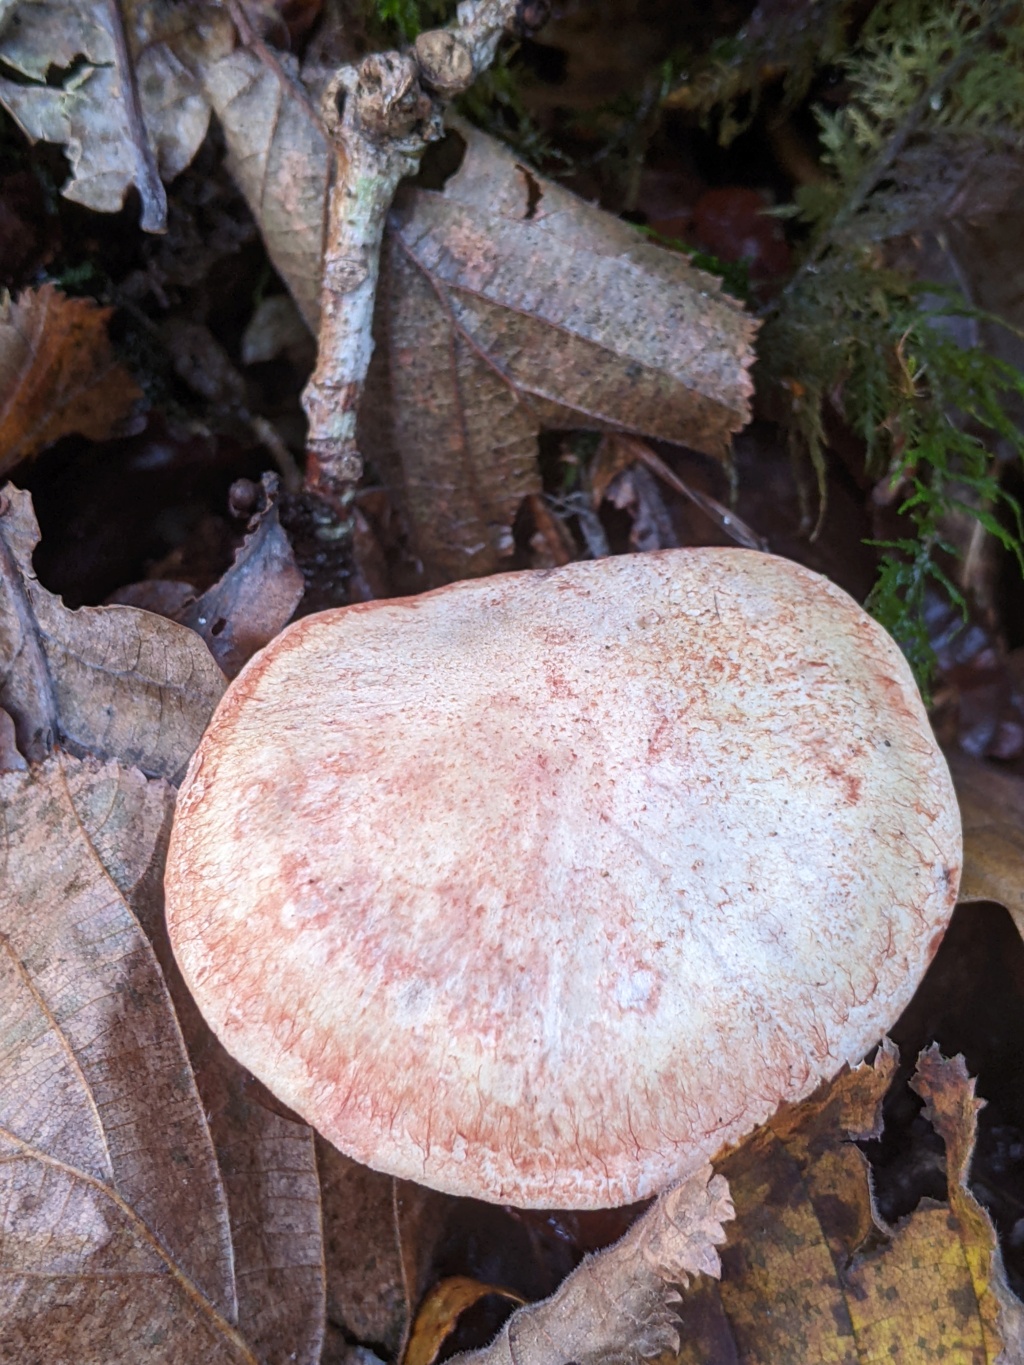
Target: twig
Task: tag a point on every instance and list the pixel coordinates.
(381, 116)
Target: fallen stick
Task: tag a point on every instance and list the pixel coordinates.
(381, 115)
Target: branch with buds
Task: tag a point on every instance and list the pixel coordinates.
(382, 115)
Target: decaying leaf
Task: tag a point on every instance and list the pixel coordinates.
(257, 595)
(58, 374)
(951, 1107)
(116, 1242)
(992, 810)
(507, 304)
(116, 682)
(365, 1290)
(812, 1273)
(126, 105)
(619, 1306)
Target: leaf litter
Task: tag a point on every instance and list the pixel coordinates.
(93, 692)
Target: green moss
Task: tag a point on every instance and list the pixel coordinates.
(925, 78)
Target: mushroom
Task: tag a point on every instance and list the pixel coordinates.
(543, 888)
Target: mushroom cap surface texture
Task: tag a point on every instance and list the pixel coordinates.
(543, 888)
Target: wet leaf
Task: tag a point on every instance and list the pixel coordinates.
(812, 1273)
(992, 811)
(77, 73)
(116, 1241)
(620, 1304)
(58, 374)
(111, 681)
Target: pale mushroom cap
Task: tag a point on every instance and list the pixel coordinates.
(543, 888)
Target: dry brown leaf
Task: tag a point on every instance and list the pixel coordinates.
(116, 1244)
(257, 595)
(280, 160)
(88, 109)
(992, 811)
(619, 1306)
(250, 602)
(58, 374)
(507, 304)
(112, 681)
(812, 1274)
(365, 1283)
(269, 1170)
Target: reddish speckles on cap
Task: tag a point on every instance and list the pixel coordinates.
(543, 888)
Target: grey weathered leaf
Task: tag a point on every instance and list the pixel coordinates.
(87, 110)
(116, 1245)
(617, 1306)
(112, 681)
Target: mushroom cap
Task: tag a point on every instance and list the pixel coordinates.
(543, 888)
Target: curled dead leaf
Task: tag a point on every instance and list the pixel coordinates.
(257, 595)
(440, 1311)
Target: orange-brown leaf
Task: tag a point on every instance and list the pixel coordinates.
(58, 374)
(811, 1272)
